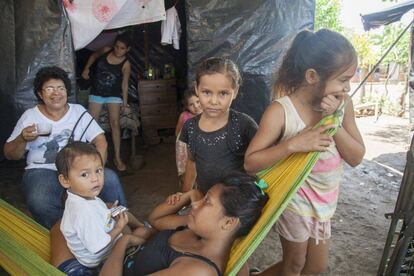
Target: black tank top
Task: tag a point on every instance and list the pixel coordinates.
(156, 254)
(107, 79)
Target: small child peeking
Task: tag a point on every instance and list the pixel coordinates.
(192, 108)
(87, 224)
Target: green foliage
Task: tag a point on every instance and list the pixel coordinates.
(370, 46)
(327, 15)
(399, 52)
(367, 54)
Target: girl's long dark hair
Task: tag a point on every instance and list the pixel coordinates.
(243, 199)
(325, 51)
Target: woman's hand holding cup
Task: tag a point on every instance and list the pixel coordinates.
(29, 133)
(43, 129)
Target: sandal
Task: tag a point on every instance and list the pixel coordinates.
(254, 270)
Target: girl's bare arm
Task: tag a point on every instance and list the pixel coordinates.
(164, 216)
(180, 124)
(126, 72)
(92, 58)
(261, 152)
(190, 173)
(348, 139)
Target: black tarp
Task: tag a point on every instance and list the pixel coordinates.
(7, 73)
(43, 38)
(33, 34)
(387, 16)
(252, 33)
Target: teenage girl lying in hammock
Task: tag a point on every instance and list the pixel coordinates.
(196, 244)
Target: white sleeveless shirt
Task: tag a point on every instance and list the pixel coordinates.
(318, 195)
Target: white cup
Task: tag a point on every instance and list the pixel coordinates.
(43, 129)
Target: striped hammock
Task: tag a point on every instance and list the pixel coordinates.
(283, 180)
(24, 244)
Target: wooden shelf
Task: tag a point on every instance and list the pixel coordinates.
(158, 107)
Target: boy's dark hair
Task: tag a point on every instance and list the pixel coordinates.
(124, 38)
(243, 199)
(325, 51)
(67, 155)
(221, 65)
(47, 73)
(187, 95)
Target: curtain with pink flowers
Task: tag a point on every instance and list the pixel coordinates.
(88, 18)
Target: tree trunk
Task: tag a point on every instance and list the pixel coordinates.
(394, 67)
(403, 95)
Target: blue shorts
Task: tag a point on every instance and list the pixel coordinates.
(105, 100)
(73, 267)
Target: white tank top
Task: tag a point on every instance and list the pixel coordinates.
(318, 195)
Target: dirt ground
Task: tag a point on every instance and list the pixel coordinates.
(359, 227)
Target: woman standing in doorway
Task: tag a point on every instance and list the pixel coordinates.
(110, 76)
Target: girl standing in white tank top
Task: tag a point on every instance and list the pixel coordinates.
(314, 81)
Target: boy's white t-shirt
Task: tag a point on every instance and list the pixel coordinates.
(85, 226)
(42, 151)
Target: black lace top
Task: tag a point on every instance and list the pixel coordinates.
(218, 152)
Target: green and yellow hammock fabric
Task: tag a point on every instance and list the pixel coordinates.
(283, 180)
(25, 245)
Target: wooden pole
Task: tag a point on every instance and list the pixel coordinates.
(146, 47)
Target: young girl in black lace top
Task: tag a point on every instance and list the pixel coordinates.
(218, 138)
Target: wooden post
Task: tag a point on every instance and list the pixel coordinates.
(410, 81)
(146, 47)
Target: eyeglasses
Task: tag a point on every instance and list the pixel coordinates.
(51, 89)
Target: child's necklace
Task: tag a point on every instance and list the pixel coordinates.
(306, 104)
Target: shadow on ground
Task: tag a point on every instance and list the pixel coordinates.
(393, 160)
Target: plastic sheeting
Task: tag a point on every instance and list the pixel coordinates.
(7, 76)
(252, 33)
(34, 34)
(387, 16)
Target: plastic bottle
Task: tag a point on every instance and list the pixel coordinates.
(172, 71)
(167, 72)
(150, 73)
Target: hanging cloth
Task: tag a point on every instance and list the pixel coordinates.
(88, 18)
(171, 29)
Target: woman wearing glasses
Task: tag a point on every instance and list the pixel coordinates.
(44, 130)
